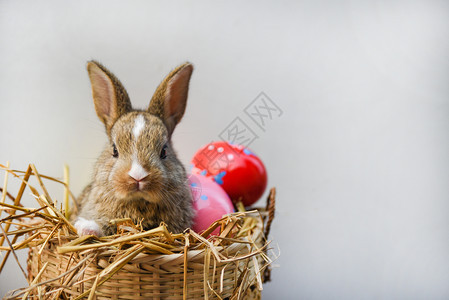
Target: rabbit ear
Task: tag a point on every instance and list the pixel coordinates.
(110, 97)
(170, 99)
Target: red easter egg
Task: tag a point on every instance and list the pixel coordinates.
(235, 168)
(210, 202)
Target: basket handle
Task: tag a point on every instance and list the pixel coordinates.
(271, 202)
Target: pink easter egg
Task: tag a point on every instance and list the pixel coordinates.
(210, 202)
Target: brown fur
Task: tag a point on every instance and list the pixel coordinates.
(164, 195)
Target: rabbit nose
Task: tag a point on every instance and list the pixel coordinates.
(137, 172)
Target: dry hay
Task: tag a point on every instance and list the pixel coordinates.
(132, 264)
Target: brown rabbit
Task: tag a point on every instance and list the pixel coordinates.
(138, 175)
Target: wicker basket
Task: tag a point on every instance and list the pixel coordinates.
(192, 274)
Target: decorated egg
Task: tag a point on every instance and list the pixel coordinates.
(235, 168)
(210, 202)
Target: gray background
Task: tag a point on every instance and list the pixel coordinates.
(359, 155)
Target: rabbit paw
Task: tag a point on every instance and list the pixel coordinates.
(87, 227)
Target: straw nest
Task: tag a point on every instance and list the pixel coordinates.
(132, 264)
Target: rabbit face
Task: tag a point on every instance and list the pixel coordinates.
(140, 162)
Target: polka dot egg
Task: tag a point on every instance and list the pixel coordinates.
(210, 202)
(235, 168)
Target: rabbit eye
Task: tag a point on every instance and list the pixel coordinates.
(164, 152)
(114, 149)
